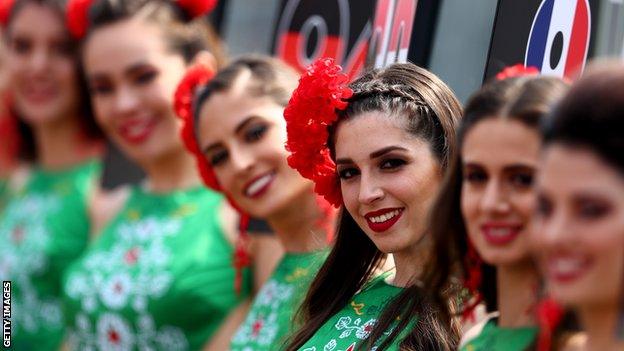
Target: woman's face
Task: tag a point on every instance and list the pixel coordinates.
(41, 67)
(499, 160)
(132, 77)
(579, 227)
(243, 138)
(388, 179)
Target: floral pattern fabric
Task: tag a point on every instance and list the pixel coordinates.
(43, 228)
(159, 277)
(355, 322)
(269, 320)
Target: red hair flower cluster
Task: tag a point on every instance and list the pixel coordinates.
(78, 13)
(197, 8)
(518, 70)
(549, 315)
(77, 17)
(183, 106)
(311, 110)
(5, 11)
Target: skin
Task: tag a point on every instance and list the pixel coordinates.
(497, 203)
(389, 170)
(243, 138)
(579, 238)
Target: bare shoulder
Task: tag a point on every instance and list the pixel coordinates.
(104, 205)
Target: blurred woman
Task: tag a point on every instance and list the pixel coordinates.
(45, 223)
(579, 227)
(482, 217)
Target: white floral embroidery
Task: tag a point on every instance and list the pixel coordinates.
(133, 271)
(262, 329)
(25, 237)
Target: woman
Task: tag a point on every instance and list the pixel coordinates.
(241, 132)
(578, 234)
(45, 224)
(380, 157)
(165, 244)
(482, 216)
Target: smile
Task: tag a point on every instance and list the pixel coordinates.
(499, 233)
(258, 186)
(382, 220)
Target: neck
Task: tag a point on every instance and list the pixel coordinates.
(600, 324)
(63, 145)
(516, 289)
(409, 263)
(297, 226)
(172, 172)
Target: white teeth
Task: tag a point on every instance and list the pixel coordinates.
(258, 184)
(500, 232)
(567, 265)
(384, 217)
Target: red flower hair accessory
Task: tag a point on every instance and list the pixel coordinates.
(549, 315)
(77, 17)
(518, 70)
(184, 97)
(196, 8)
(5, 11)
(311, 110)
(473, 282)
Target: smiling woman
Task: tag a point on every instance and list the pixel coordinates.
(382, 161)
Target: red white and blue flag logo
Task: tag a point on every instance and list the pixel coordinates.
(559, 38)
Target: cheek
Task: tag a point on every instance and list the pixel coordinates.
(469, 200)
(350, 192)
(524, 204)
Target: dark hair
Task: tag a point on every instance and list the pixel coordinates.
(182, 33)
(591, 115)
(271, 77)
(523, 99)
(432, 113)
(27, 148)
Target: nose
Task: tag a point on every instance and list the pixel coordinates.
(495, 199)
(39, 61)
(370, 191)
(241, 159)
(126, 100)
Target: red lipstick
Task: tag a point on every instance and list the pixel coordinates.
(382, 220)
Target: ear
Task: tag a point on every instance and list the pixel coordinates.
(205, 58)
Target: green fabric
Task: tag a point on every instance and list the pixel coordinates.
(269, 320)
(159, 276)
(354, 322)
(43, 228)
(4, 192)
(493, 338)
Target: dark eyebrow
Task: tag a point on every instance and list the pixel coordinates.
(386, 150)
(375, 154)
(238, 129)
(136, 67)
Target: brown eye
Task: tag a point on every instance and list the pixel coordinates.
(391, 164)
(255, 133)
(347, 173)
(522, 180)
(544, 207)
(475, 176)
(218, 158)
(21, 46)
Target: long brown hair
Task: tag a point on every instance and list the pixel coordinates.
(524, 99)
(432, 113)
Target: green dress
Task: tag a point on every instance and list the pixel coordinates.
(43, 228)
(269, 320)
(354, 323)
(493, 338)
(159, 276)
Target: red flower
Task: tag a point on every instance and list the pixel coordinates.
(5, 11)
(197, 8)
(549, 314)
(77, 17)
(183, 106)
(311, 110)
(518, 70)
